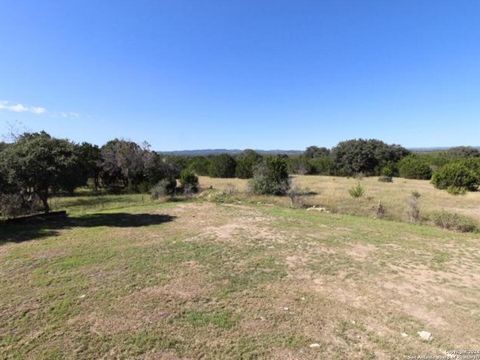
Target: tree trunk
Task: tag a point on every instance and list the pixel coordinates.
(44, 199)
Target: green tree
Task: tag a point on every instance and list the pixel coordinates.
(271, 177)
(199, 165)
(414, 167)
(246, 163)
(299, 165)
(122, 164)
(222, 166)
(315, 152)
(463, 152)
(365, 156)
(36, 163)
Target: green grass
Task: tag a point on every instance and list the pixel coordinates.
(127, 277)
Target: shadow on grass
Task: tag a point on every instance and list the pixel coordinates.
(44, 227)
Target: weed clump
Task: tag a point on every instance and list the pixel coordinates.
(165, 187)
(357, 191)
(452, 221)
(413, 203)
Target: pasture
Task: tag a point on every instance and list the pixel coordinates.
(331, 192)
(128, 277)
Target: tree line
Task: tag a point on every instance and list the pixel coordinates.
(36, 166)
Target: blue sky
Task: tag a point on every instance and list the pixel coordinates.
(242, 73)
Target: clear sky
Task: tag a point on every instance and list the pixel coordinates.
(263, 74)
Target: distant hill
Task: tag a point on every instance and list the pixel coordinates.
(433, 149)
(206, 152)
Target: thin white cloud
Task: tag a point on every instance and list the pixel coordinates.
(69, 115)
(37, 110)
(20, 108)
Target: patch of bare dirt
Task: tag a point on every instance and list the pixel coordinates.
(361, 251)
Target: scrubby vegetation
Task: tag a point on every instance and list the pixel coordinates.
(270, 177)
(456, 176)
(36, 166)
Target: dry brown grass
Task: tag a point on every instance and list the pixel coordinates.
(332, 193)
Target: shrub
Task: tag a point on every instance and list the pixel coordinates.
(456, 190)
(456, 175)
(246, 162)
(299, 165)
(452, 221)
(270, 177)
(165, 187)
(189, 182)
(222, 166)
(200, 165)
(321, 165)
(413, 167)
(356, 191)
(385, 178)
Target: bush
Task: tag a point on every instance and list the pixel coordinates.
(357, 191)
(456, 190)
(321, 165)
(189, 182)
(165, 187)
(452, 221)
(385, 178)
(222, 166)
(456, 175)
(270, 177)
(299, 165)
(200, 165)
(246, 163)
(412, 167)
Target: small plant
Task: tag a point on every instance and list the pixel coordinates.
(380, 211)
(452, 221)
(413, 210)
(385, 178)
(357, 191)
(416, 194)
(165, 187)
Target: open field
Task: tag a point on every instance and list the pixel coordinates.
(126, 277)
(332, 193)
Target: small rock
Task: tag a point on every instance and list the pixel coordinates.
(314, 345)
(425, 335)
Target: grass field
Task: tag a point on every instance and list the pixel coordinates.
(332, 193)
(125, 277)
